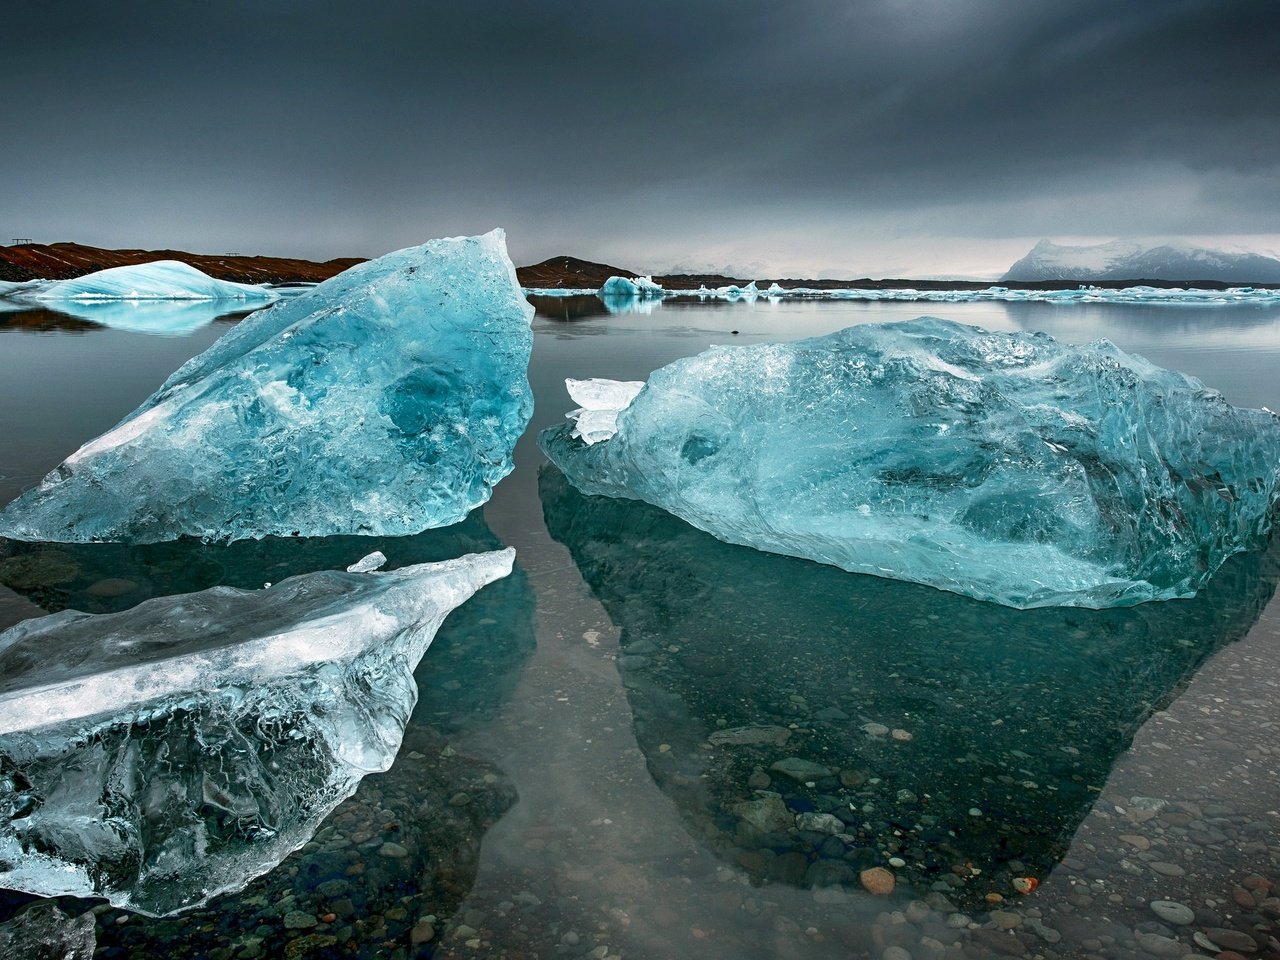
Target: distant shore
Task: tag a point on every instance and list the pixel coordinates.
(65, 261)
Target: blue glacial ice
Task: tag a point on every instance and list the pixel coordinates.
(385, 401)
(163, 755)
(1006, 467)
(158, 280)
(624, 288)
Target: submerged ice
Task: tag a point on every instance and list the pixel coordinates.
(386, 400)
(162, 755)
(1006, 467)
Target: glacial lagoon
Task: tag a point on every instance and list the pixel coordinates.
(612, 745)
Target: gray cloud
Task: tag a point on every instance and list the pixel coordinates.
(818, 133)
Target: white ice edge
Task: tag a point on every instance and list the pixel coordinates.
(281, 654)
(599, 403)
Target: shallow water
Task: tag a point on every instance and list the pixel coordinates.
(580, 774)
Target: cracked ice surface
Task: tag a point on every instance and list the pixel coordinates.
(1006, 467)
(163, 755)
(385, 401)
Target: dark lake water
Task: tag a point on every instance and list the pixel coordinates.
(583, 774)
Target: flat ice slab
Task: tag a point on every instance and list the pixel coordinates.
(163, 755)
(385, 401)
(1006, 467)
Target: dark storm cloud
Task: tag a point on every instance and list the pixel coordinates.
(644, 130)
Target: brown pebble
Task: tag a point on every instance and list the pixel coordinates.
(1255, 882)
(1133, 840)
(1243, 897)
(878, 881)
(112, 587)
(328, 917)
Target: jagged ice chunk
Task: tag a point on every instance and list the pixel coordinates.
(163, 755)
(1006, 467)
(385, 401)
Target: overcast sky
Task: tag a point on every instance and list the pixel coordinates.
(793, 137)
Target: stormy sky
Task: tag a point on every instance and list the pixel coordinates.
(802, 138)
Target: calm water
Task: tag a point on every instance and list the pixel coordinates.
(582, 775)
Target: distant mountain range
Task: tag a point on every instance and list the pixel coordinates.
(1131, 260)
(1047, 266)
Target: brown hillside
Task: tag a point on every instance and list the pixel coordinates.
(64, 261)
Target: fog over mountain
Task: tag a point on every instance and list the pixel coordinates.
(1134, 260)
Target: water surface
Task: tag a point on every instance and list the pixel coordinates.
(562, 788)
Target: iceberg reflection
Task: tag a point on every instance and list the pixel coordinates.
(809, 723)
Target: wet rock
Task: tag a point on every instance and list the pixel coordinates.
(820, 823)
(1159, 945)
(877, 881)
(1227, 939)
(1170, 911)
(299, 920)
(799, 769)
(750, 735)
(999, 941)
(767, 813)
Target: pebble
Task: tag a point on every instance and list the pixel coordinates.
(1170, 911)
(298, 920)
(875, 729)
(877, 881)
(1159, 945)
(1167, 869)
(895, 953)
(112, 587)
(1232, 940)
(393, 850)
(799, 769)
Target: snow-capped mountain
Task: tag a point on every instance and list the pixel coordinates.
(1131, 260)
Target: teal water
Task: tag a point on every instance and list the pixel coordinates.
(574, 707)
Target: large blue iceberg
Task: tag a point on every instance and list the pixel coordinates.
(1006, 467)
(158, 280)
(163, 755)
(385, 401)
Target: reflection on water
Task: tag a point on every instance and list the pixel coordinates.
(1232, 348)
(964, 740)
(405, 846)
(165, 318)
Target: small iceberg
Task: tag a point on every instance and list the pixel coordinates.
(624, 288)
(158, 280)
(385, 401)
(163, 755)
(1005, 467)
